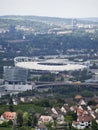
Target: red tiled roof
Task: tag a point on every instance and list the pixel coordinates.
(78, 97)
(84, 118)
(9, 115)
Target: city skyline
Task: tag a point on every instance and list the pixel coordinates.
(51, 8)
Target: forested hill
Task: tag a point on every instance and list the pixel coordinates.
(41, 22)
(33, 35)
(46, 45)
(49, 20)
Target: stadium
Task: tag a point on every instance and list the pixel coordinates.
(47, 65)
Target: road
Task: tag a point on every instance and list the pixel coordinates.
(44, 85)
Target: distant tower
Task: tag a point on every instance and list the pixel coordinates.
(74, 23)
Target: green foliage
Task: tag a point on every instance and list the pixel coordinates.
(49, 125)
(60, 101)
(30, 120)
(23, 128)
(72, 128)
(48, 78)
(4, 128)
(81, 75)
(10, 101)
(23, 107)
(86, 129)
(87, 93)
(14, 127)
(91, 103)
(68, 118)
(4, 124)
(11, 108)
(43, 103)
(10, 123)
(25, 118)
(73, 115)
(19, 118)
(94, 125)
(34, 121)
(3, 108)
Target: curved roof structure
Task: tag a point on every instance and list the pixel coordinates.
(53, 66)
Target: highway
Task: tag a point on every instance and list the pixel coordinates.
(54, 84)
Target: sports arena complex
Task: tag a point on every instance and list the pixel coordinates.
(49, 65)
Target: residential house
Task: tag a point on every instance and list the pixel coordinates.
(15, 102)
(60, 119)
(79, 111)
(83, 121)
(44, 119)
(73, 108)
(82, 103)
(9, 115)
(41, 127)
(56, 110)
(65, 108)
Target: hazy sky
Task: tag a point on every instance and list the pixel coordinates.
(57, 8)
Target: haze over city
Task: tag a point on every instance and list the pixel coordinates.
(52, 8)
(48, 65)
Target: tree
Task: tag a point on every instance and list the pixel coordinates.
(72, 115)
(10, 123)
(4, 124)
(45, 103)
(25, 118)
(35, 120)
(49, 125)
(11, 107)
(94, 125)
(29, 120)
(19, 118)
(68, 119)
(91, 102)
(14, 127)
(72, 128)
(10, 100)
(23, 128)
(30, 117)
